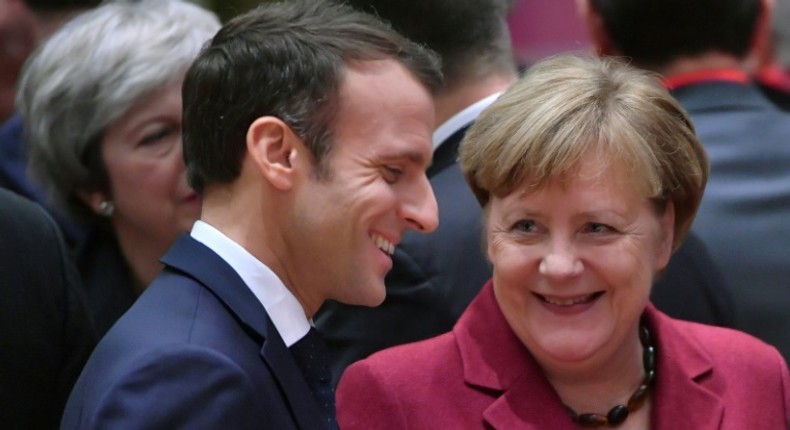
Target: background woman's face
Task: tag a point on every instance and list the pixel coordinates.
(142, 154)
(574, 262)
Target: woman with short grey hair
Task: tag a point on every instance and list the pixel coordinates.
(101, 106)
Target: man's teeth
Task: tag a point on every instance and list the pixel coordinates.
(568, 302)
(383, 244)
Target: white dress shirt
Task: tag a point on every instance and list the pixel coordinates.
(461, 119)
(282, 306)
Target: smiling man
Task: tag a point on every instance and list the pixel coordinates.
(307, 130)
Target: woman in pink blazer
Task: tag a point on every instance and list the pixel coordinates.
(590, 175)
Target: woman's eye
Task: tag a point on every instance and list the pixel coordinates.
(157, 136)
(391, 174)
(525, 225)
(595, 227)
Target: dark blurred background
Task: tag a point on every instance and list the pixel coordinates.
(538, 27)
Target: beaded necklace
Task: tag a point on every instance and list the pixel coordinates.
(618, 414)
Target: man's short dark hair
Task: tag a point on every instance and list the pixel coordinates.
(285, 60)
(471, 36)
(654, 32)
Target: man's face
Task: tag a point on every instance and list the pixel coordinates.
(347, 223)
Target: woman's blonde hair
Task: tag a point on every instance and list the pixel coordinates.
(569, 109)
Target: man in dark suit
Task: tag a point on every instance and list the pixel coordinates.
(45, 332)
(702, 47)
(435, 277)
(307, 131)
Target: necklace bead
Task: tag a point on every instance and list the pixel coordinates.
(618, 414)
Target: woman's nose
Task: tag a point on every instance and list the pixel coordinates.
(560, 264)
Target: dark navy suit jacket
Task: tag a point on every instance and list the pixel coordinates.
(744, 218)
(45, 330)
(196, 350)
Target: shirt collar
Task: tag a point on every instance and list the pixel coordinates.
(281, 305)
(461, 119)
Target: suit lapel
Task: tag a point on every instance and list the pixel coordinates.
(199, 262)
(529, 404)
(282, 365)
(682, 398)
(494, 359)
(447, 152)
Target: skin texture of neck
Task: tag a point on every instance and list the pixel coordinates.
(456, 97)
(597, 386)
(708, 61)
(230, 209)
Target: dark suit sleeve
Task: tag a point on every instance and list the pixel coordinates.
(47, 335)
(692, 287)
(185, 387)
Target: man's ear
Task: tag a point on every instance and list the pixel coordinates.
(599, 35)
(273, 148)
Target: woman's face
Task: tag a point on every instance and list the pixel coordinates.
(574, 263)
(142, 153)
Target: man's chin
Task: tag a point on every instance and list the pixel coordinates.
(373, 296)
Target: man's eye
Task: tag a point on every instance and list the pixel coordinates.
(391, 174)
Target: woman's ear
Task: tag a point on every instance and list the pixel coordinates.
(96, 200)
(273, 148)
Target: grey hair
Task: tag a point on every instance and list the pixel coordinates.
(91, 72)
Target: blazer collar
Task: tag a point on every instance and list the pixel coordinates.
(197, 261)
(494, 359)
(685, 392)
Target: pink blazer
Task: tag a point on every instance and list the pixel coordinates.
(481, 376)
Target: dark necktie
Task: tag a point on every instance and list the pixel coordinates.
(312, 356)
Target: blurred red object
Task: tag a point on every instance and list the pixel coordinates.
(18, 36)
(540, 28)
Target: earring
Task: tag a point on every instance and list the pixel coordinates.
(106, 208)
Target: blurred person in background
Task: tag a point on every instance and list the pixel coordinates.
(704, 50)
(100, 101)
(46, 334)
(18, 36)
(23, 26)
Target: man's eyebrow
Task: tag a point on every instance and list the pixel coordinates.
(416, 157)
